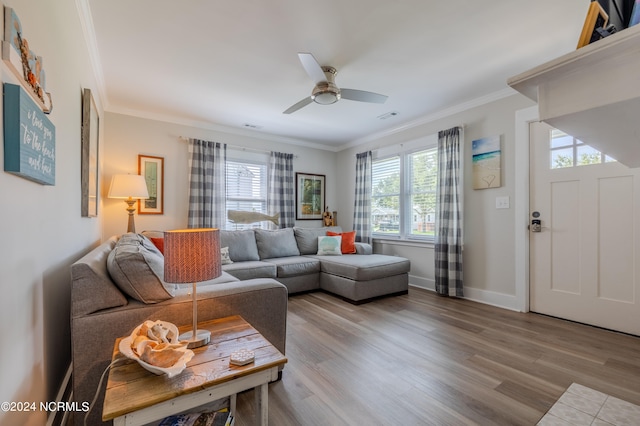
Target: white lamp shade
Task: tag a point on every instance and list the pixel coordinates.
(126, 186)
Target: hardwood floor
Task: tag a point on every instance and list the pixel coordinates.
(421, 359)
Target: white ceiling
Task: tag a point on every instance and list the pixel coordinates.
(225, 64)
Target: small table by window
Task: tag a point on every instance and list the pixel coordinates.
(135, 396)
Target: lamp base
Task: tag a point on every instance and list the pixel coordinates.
(202, 337)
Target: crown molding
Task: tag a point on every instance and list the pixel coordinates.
(221, 128)
(447, 112)
(88, 31)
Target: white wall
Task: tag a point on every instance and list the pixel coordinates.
(126, 137)
(42, 231)
(489, 271)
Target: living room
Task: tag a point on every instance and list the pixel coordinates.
(44, 232)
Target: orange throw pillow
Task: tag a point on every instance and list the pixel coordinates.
(348, 245)
(159, 243)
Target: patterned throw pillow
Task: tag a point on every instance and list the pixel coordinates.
(224, 256)
(329, 245)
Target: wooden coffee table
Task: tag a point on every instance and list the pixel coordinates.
(135, 396)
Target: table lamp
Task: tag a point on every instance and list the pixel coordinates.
(192, 256)
(130, 188)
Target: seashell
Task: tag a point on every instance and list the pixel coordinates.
(163, 357)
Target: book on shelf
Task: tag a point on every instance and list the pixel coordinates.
(206, 418)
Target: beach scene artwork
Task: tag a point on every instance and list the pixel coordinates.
(486, 162)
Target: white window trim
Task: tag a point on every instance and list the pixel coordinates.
(403, 151)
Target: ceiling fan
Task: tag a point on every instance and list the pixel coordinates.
(325, 91)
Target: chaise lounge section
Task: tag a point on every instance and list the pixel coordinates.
(290, 256)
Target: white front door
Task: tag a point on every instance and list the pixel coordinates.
(585, 261)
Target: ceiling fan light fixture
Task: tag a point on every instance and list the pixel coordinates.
(325, 93)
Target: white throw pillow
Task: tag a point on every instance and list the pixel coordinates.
(330, 245)
(224, 256)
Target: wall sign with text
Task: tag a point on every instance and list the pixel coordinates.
(29, 138)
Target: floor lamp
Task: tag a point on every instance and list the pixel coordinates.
(192, 256)
(131, 188)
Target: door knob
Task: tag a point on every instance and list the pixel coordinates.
(536, 225)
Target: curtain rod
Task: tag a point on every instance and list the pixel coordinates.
(400, 144)
(238, 147)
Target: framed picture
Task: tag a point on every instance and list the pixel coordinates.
(89, 168)
(596, 18)
(487, 160)
(152, 168)
(310, 196)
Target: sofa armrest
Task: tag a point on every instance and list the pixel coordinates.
(364, 248)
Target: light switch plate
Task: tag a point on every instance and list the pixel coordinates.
(502, 202)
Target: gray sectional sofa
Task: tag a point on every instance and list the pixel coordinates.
(103, 310)
(119, 284)
(290, 256)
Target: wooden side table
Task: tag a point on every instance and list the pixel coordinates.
(135, 396)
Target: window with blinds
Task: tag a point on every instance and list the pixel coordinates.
(403, 195)
(385, 196)
(246, 189)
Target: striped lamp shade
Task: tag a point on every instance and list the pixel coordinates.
(191, 255)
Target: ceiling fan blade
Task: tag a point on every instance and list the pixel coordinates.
(362, 96)
(312, 67)
(303, 103)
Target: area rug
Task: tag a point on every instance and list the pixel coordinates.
(580, 405)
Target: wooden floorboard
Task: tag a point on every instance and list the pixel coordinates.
(421, 359)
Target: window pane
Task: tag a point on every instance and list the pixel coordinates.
(562, 158)
(562, 152)
(385, 202)
(422, 189)
(246, 190)
(560, 139)
(588, 155)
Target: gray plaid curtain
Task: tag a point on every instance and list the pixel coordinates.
(362, 204)
(207, 192)
(280, 188)
(448, 249)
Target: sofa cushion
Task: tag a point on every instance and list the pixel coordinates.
(279, 243)
(92, 287)
(251, 269)
(242, 245)
(307, 238)
(348, 244)
(156, 237)
(364, 267)
(137, 267)
(224, 278)
(294, 266)
(329, 245)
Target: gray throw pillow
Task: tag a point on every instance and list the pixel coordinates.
(242, 245)
(137, 267)
(307, 238)
(279, 243)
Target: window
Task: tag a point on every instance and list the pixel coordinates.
(246, 189)
(567, 151)
(404, 195)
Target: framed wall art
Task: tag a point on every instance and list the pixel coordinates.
(596, 18)
(89, 167)
(310, 196)
(487, 161)
(152, 168)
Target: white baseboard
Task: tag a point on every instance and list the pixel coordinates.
(500, 300)
(64, 395)
(421, 282)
